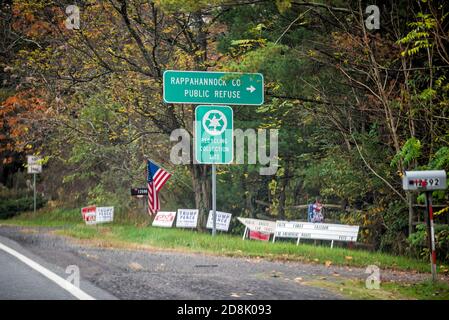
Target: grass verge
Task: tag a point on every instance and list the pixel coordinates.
(126, 235)
(356, 289)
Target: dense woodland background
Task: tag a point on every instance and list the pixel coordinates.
(354, 107)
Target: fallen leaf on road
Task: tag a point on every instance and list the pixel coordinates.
(298, 279)
(135, 266)
(328, 263)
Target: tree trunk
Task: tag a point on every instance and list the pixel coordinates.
(282, 194)
(201, 180)
(201, 174)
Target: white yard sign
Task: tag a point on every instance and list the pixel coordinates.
(288, 229)
(187, 218)
(316, 231)
(223, 220)
(34, 164)
(104, 214)
(265, 226)
(164, 219)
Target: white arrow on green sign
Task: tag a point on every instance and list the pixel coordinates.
(214, 134)
(196, 87)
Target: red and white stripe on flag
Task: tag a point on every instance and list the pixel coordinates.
(156, 179)
(153, 199)
(160, 178)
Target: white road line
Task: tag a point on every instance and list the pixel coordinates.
(73, 290)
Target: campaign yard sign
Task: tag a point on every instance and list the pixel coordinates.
(94, 214)
(89, 214)
(187, 218)
(264, 226)
(223, 220)
(256, 235)
(164, 219)
(316, 231)
(288, 229)
(104, 214)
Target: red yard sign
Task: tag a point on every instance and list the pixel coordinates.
(256, 235)
(88, 213)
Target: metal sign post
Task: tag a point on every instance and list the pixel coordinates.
(34, 166)
(214, 200)
(214, 143)
(34, 192)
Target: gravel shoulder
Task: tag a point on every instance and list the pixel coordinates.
(159, 274)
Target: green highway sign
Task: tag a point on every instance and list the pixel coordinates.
(197, 87)
(214, 134)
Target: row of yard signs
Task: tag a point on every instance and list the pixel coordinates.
(188, 218)
(94, 215)
(214, 125)
(263, 229)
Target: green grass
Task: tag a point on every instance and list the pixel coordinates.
(127, 235)
(356, 289)
(427, 290)
(52, 218)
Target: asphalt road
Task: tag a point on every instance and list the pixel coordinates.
(24, 276)
(19, 281)
(107, 273)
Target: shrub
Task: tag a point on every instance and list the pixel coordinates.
(13, 202)
(418, 244)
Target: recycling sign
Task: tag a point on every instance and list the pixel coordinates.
(214, 134)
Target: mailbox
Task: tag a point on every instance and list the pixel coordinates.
(139, 191)
(424, 180)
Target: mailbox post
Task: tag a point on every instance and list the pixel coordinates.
(141, 193)
(427, 181)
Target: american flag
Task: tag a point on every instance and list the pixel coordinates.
(156, 178)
